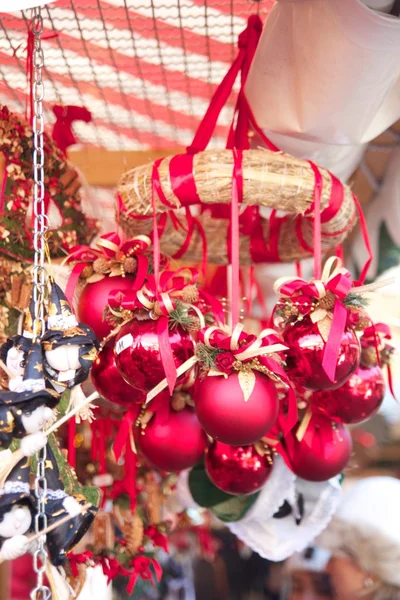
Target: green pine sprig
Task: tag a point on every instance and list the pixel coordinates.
(355, 300)
(206, 356)
(180, 316)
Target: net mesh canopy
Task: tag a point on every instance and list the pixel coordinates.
(146, 69)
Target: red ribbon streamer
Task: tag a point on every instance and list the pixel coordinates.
(317, 221)
(123, 444)
(237, 196)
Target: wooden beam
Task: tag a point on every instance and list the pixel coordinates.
(104, 168)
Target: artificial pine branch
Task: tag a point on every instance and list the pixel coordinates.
(207, 356)
(355, 300)
(180, 316)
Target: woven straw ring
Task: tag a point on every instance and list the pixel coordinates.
(271, 179)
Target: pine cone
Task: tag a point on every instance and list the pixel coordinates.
(157, 310)
(368, 357)
(153, 499)
(133, 533)
(362, 323)
(101, 266)
(290, 311)
(194, 325)
(130, 264)
(327, 302)
(190, 294)
(178, 401)
(87, 272)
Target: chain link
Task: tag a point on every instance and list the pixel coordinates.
(39, 277)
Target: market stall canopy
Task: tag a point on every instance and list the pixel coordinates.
(146, 69)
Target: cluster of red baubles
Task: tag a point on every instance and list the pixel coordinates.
(222, 426)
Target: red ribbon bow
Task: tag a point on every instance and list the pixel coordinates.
(159, 539)
(142, 567)
(62, 129)
(79, 559)
(335, 279)
(110, 247)
(111, 568)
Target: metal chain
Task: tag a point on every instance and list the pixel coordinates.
(39, 277)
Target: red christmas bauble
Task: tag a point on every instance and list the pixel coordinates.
(357, 400)
(236, 470)
(305, 355)
(108, 381)
(94, 299)
(322, 453)
(174, 445)
(137, 352)
(227, 417)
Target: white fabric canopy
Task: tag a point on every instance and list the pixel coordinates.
(326, 79)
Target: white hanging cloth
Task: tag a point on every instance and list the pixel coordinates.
(325, 79)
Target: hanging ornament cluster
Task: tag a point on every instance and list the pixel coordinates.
(113, 266)
(362, 395)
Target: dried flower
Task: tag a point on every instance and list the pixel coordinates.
(101, 266)
(190, 294)
(87, 272)
(130, 265)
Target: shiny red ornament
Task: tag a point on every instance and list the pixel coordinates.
(94, 299)
(236, 470)
(322, 453)
(173, 445)
(137, 352)
(357, 400)
(227, 417)
(305, 355)
(108, 381)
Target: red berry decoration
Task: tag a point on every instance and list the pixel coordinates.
(237, 470)
(174, 445)
(357, 400)
(305, 355)
(94, 299)
(322, 453)
(108, 381)
(226, 416)
(137, 352)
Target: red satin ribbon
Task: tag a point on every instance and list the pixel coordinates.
(85, 255)
(373, 336)
(122, 445)
(367, 242)
(112, 568)
(317, 221)
(62, 130)
(340, 286)
(237, 197)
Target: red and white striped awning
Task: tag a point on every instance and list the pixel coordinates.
(146, 69)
